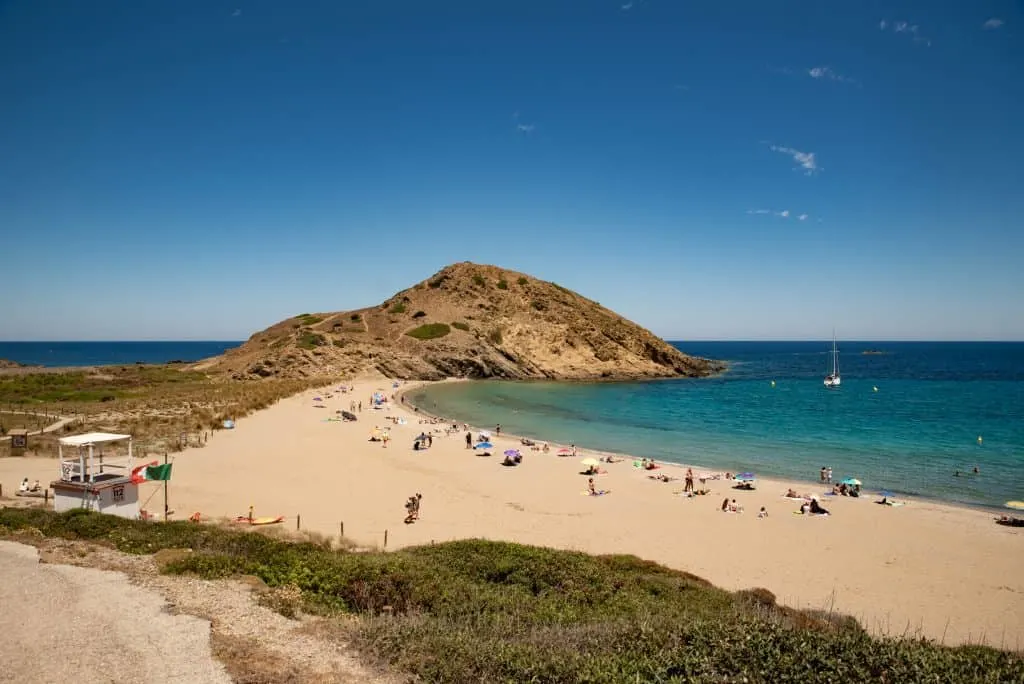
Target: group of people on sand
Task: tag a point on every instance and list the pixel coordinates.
(843, 489)
(25, 488)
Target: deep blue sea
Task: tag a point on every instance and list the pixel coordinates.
(108, 353)
(933, 402)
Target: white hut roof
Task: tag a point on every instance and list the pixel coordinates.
(92, 438)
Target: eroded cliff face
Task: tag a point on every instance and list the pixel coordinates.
(466, 321)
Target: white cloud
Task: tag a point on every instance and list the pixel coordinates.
(785, 213)
(993, 23)
(824, 73)
(525, 128)
(237, 13)
(806, 160)
(628, 6)
(913, 30)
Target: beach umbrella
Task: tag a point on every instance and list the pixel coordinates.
(590, 462)
(511, 452)
(1019, 505)
(564, 451)
(484, 445)
(851, 482)
(746, 477)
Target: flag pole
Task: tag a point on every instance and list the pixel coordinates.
(165, 490)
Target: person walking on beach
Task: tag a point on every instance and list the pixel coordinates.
(497, 430)
(469, 440)
(688, 487)
(360, 407)
(823, 474)
(828, 475)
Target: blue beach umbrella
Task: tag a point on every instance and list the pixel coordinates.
(746, 477)
(511, 452)
(851, 482)
(484, 445)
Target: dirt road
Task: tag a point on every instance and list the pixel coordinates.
(65, 623)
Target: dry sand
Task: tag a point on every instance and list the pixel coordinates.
(946, 572)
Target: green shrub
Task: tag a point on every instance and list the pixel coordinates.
(355, 318)
(494, 335)
(419, 314)
(474, 610)
(461, 326)
(478, 280)
(397, 309)
(310, 340)
(437, 282)
(309, 319)
(522, 280)
(539, 305)
(429, 331)
(502, 284)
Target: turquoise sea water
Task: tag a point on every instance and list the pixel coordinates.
(922, 425)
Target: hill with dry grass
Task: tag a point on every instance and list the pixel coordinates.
(467, 321)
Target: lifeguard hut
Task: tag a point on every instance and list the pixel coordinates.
(95, 478)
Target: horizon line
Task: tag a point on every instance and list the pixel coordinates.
(666, 339)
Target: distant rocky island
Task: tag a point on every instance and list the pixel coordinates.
(874, 352)
(466, 321)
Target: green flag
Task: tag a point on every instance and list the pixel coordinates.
(152, 471)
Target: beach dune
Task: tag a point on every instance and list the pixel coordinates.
(944, 572)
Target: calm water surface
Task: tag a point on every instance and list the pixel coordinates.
(933, 401)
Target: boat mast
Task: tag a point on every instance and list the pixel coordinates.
(835, 356)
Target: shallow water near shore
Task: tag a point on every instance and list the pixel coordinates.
(921, 426)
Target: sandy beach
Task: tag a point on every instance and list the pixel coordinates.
(946, 572)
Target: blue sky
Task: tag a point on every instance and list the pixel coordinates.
(201, 170)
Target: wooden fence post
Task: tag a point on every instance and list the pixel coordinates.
(341, 528)
(298, 522)
(385, 539)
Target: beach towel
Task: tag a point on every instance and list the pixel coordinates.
(599, 492)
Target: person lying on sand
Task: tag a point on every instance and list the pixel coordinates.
(663, 478)
(594, 470)
(35, 487)
(791, 494)
(611, 459)
(526, 442)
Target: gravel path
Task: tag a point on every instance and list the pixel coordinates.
(65, 623)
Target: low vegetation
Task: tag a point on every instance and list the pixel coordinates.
(310, 340)
(155, 404)
(494, 336)
(397, 309)
(474, 610)
(502, 284)
(429, 331)
(478, 280)
(419, 314)
(309, 319)
(522, 281)
(461, 326)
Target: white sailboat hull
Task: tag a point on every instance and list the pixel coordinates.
(832, 382)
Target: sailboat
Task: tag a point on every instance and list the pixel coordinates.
(833, 379)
